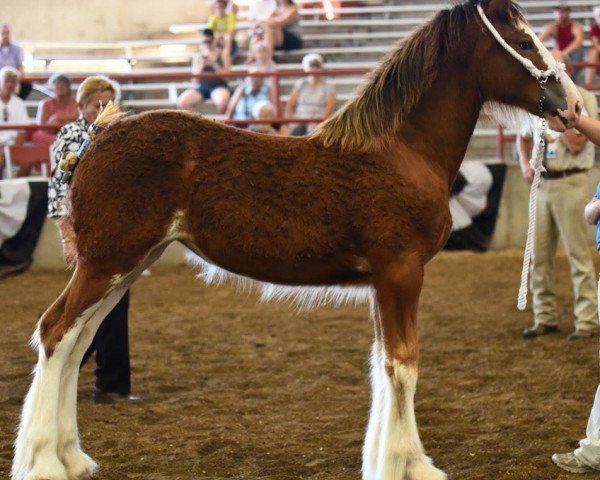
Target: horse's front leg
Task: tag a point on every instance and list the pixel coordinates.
(400, 455)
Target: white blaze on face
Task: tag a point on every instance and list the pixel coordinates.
(565, 80)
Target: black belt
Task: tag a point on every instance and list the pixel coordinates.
(554, 174)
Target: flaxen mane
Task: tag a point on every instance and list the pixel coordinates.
(384, 101)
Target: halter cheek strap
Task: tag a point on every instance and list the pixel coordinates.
(555, 70)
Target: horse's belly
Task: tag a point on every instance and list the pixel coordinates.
(281, 266)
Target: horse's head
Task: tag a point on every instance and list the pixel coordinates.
(516, 69)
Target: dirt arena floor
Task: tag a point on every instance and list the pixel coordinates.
(233, 389)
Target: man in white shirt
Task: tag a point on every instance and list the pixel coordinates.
(12, 111)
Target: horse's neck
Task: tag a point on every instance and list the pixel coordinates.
(439, 128)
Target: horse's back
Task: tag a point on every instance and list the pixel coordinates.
(252, 203)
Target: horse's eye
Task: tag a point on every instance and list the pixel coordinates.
(526, 46)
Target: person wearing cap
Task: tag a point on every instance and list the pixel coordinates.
(12, 111)
(311, 97)
(567, 33)
(57, 110)
(562, 193)
(111, 343)
(594, 53)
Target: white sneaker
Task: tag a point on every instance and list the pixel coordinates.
(569, 462)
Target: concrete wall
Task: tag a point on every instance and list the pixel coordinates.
(48, 253)
(97, 20)
(511, 228)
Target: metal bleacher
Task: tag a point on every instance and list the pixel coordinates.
(357, 36)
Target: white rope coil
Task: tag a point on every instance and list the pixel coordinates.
(536, 164)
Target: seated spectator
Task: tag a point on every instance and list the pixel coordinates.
(261, 55)
(246, 95)
(57, 110)
(282, 30)
(223, 23)
(12, 111)
(568, 35)
(11, 55)
(207, 60)
(312, 96)
(264, 110)
(594, 53)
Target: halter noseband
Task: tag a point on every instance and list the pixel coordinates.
(555, 70)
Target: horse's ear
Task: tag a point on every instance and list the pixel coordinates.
(498, 7)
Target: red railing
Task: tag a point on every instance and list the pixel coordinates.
(275, 75)
(503, 138)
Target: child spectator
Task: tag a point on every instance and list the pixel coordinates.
(312, 96)
(223, 24)
(57, 110)
(264, 110)
(207, 60)
(594, 53)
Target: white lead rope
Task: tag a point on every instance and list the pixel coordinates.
(536, 164)
(556, 69)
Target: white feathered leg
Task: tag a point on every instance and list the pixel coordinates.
(78, 464)
(401, 454)
(36, 445)
(373, 433)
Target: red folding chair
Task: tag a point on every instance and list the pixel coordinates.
(29, 154)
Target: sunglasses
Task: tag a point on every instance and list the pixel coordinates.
(5, 114)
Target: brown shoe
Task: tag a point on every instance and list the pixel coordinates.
(582, 334)
(539, 330)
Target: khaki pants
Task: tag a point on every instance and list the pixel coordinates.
(560, 207)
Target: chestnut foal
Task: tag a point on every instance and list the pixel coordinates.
(358, 207)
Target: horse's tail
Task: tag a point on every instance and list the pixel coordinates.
(109, 114)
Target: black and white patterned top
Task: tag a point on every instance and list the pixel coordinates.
(68, 139)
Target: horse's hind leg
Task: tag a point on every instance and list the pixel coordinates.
(79, 464)
(400, 453)
(37, 453)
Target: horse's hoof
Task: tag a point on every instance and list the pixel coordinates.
(47, 469)
(422, 469)
(79, 465)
